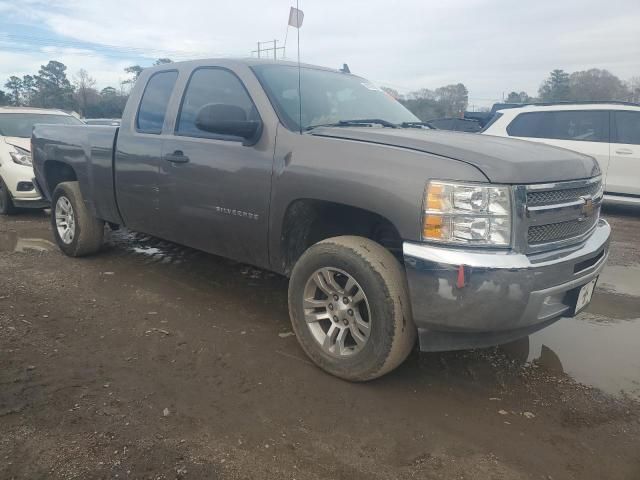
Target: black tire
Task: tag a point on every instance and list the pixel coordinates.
(88, 231)
(6, 202)
(382, 278)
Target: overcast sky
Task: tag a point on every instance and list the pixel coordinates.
(490, 46)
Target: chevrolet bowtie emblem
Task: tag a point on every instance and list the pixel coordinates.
(588, 207)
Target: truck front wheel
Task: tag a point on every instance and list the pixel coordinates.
(350, 309)
(77, 232)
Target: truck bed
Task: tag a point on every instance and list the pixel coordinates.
(89, 151)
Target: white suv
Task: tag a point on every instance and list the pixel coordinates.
(610, 132)
(16, 173)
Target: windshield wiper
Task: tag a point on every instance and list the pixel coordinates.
(351, 123)
(416, 125)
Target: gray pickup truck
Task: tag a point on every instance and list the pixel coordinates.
(387, 230)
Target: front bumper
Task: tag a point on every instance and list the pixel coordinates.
(463, 298)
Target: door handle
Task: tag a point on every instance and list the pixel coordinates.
(624, 151)
(176, 157)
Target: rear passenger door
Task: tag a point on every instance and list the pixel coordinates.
(214, 191)
(139, 152)
(583, 131)
(624, 169)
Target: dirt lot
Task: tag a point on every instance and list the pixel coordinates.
(156, 361)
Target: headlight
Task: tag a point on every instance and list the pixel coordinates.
(468, 214)
(21, 156)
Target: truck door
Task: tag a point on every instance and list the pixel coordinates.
(624, 169)
(139, 151)
(214, 191)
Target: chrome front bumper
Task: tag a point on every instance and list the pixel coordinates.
(464, 298)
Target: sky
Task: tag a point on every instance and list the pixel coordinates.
(492, 46)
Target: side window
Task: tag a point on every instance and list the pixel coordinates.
(155, 99)
(213, 86)
(526, 125)
(627, 127)
(576, 125)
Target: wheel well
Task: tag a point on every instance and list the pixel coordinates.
(307, 222)
(57, 172)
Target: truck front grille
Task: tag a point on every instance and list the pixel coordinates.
(561, 196)
(559, 214)
(553, 232)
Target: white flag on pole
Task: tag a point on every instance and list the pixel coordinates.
(296, 17)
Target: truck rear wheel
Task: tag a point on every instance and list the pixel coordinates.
(349, 308)
(6, 203)
(77, 232)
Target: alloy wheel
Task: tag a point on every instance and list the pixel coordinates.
(337, 312)
(65, 220)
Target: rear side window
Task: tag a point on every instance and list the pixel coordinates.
(155, 99)
(213, 86)
(627, 127)
(576, 125)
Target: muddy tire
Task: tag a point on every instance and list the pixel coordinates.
(76, 231)
(349, 307)
(6, 202)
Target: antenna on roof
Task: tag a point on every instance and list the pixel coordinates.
(345, 68)
(296, 16)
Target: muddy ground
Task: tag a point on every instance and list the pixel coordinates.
(156, 361)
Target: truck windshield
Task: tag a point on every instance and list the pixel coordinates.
(21, 124)
(328, 97)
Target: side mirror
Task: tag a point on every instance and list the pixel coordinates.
(228, 120)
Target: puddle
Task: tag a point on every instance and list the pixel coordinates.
(601, 346)
(12, 242)
(621, 280)
(591, 350)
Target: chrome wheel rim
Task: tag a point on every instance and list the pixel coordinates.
(336, 311)
(65, 220)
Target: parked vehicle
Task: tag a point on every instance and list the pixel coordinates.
(387, 231)
(456, 124)
(16, 173)
(609, 131)
(114, 122)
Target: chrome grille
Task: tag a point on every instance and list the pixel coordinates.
(553, 232)
(558, 214)
(561, 196)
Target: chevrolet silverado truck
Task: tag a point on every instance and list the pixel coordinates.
(387, 230)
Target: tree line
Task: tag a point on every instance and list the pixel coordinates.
(587, 85)
(50, 87)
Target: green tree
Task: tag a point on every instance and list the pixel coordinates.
(634, 89)
(596, 84)
(29, 89)
(14, 84)
(556, 87)
(453, 99)
(110, 104)
(4, 99)
(108, 92)
(53, 87)
(448, 101)
(518, 97)
(134, 70)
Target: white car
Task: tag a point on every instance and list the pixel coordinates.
(17, 189)
(610, 132)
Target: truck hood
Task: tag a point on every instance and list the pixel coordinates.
(24, 143)
(501, 160)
